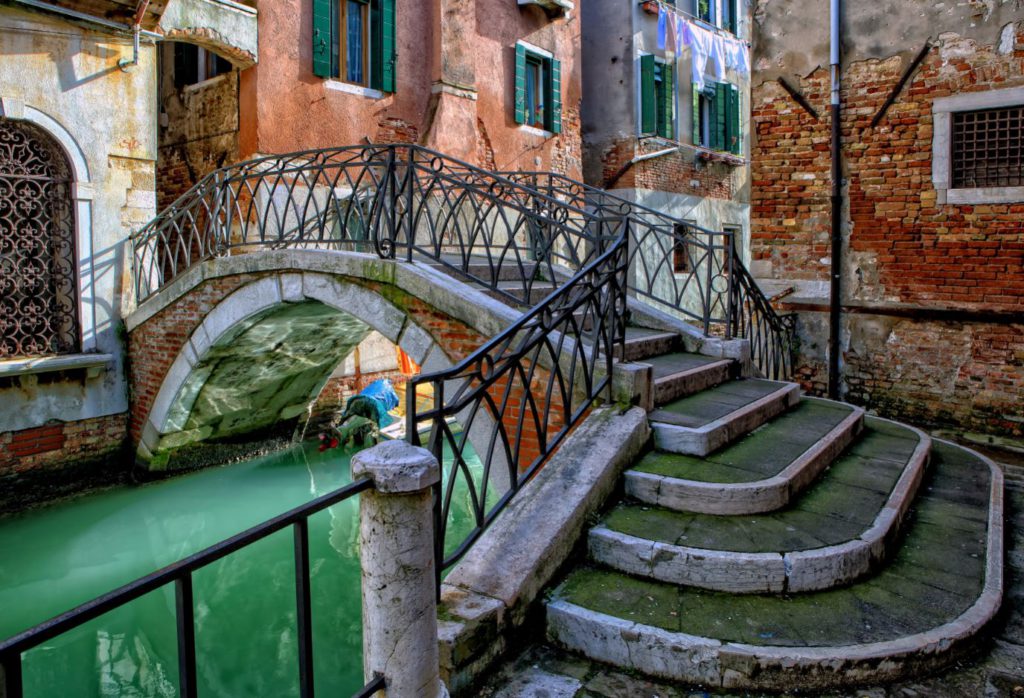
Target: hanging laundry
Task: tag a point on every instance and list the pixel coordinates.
(662, 26)
(719, 52)
(701, 46)
(673, 35)
(737, 57)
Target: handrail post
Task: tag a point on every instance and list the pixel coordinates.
(10, 676)
(410, 173)
(397, 551)
(730, 287)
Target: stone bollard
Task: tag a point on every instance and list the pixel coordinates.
(396, 542)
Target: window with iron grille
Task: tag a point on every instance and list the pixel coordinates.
(38, 278)
(988, 148)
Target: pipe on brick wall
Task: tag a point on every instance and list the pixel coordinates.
(835, 299)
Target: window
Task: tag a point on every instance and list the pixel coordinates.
(38, 268)
(988, 148)
(354, 41)
(194, 64)
(978, 147)
(716, 117)
(657, 97)
(538, 89)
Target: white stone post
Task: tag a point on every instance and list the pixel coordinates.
(396, 538)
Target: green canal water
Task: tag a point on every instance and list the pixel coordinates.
(56, 558)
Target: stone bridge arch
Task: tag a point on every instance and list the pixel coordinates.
(173, 335)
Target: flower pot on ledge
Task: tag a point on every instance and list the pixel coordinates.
(650, 7)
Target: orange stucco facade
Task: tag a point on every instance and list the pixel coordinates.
(455, 82)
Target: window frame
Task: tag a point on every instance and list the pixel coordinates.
(943, 109)
(701, 120)
(548, 94)
(343, 64)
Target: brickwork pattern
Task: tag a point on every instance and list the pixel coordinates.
(53, 445)
(678, 173)
(903, 246)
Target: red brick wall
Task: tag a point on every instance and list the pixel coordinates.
(59, 442)
(677, 173)
(904, 247)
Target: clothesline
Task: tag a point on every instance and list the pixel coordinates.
(705, 46)
(703, 22)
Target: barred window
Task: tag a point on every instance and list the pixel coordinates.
(988, 148)
(38, 282)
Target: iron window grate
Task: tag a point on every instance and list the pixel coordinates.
(988, 148)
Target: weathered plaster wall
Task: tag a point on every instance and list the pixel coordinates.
(64, 76)
(223, 26)
(455, 75)
(201, 134)
(918, 272)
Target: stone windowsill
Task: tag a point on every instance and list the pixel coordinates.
(92, 363)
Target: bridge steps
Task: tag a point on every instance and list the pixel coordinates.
(773, 542)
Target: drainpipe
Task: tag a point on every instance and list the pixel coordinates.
(837, 206)
(140, 12)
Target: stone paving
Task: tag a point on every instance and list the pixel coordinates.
(998, 671)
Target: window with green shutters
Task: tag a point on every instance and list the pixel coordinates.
(354, 41)
(538, 90)
(657, 97)
(716, 117)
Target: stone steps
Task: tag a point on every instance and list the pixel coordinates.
(678, 374)
(642, 343)
(922, 610)
(761, 472)
(841, 529)
(706, 421)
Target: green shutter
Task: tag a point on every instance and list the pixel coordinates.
(668, 92)
(734, 133)
(696, 116)
(520, 85)
(555, 96)
(323, 36)
(648, 116)
(388, 47)
(719, 117)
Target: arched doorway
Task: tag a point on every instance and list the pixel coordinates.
(38, 279)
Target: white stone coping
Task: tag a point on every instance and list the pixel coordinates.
(358, 90)
(48, 364)
(784, 571)
(564, 4)
(755, 497)
(691, 658)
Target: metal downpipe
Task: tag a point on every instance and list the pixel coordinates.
(835, 299)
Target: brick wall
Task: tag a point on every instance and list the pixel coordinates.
(678, 173)
(60, 458)
(903, 247)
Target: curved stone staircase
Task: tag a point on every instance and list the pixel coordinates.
(771, 541)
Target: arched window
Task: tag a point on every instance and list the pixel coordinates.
(38, 283)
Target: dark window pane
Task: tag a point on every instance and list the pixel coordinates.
(354, 48)
(987, 148)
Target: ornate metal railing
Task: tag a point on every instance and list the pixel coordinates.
(180, 575)
(516, 398)
(392, 200)
(688, 271)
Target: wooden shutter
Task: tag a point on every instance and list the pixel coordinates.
(696, 117)
(668, 93)
(648, 115)
(520, 84)
(719, 118)
(555, 96)
(733, 124)
(388, 47)
(323, 38)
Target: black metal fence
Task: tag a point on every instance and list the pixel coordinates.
(501, 412)
(180, 575)
(686, 270)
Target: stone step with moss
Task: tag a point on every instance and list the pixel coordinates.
(925, 608)
(678, 374)
(761, 472)
(843, 527)
(706, 421)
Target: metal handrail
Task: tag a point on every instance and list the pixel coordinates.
(519, 394)
(714, 290)
(180, 574)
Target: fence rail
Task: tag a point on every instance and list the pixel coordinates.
(180, 574)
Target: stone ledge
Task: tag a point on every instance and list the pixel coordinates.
(91, 363)
(489, 592)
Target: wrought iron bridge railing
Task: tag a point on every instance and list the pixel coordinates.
(498, 415)
(687, 271)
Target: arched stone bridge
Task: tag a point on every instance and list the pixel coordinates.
(200, 369)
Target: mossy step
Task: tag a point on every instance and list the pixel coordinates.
(939, 591)
(643, 343)
(840, 529)
(677, 374)
(761, 472)
(706, 421)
